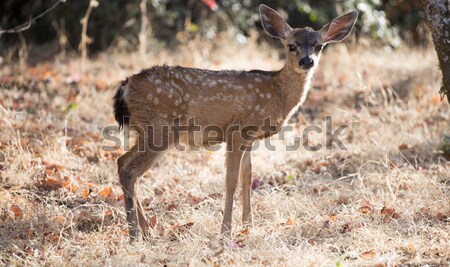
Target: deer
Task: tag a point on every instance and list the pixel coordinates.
(168, 106)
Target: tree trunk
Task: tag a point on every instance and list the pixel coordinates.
(438, 17)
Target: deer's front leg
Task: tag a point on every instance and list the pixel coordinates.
(246, 180)
(233, 161)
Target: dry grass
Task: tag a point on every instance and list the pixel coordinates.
(385, 201)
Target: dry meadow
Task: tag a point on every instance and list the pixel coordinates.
(382, 201)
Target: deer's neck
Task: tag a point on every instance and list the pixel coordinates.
(292, 88)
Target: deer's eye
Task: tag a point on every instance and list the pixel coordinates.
(319, 48)
(292, 48)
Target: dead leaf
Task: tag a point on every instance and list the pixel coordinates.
(85, 193)
(366, 209)
(347, 227)
(101, 85)
(153, 221)
(51, 183)
(333, 217)
(342, 200)
(388, 212)
(436, 99)
(106, 192)
(178, 230)
(442, 217)
(290, 222)
(320, 166)
(193, 200)
(60, 219)
(17, 211)
(215, 195)
(368, 255)
(402, 147)
(245, 231)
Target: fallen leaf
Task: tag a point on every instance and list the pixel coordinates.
(436, 99)
(153, 221)
(366, 209)
(368, 255)
(388, 212)
(342, 200)
(347, 227)
(193, 200)
(106, 192)
(101, 85)
(442, 217)
(256, 183)
(333, 217)
(54, 183)
(245, 231)
(85, 193)
(290, 222)
(17, 211)
(178, 230)
(402, 147)
(60, 219)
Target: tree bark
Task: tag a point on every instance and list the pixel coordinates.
(438, 18)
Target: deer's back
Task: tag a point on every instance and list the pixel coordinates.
(219, 98)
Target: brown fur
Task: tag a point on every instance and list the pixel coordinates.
(161, 95)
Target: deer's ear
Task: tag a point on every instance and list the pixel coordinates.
(339, 28)
(273, 23)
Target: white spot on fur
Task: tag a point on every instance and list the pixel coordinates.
(250, 86)
(258, 80)
(188, 78)
(261, 95)
(156, 101)
(257, 90)
(150, 97)
(268, 95)
(257, 107)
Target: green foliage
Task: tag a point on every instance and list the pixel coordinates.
(381, 20)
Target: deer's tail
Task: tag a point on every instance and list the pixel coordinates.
(121, 112)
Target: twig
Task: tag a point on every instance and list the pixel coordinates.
(84, 38)
(25, 26)
(143, 32)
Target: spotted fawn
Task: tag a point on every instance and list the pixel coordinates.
(169, 106)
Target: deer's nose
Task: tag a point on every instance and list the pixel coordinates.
(306, 63)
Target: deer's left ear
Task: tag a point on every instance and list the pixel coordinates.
(273, 23)
(339, 28)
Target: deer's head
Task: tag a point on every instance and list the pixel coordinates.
(304, 45)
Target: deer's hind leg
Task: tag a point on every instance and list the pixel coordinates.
(132, 165)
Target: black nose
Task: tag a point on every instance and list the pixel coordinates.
(306, 63)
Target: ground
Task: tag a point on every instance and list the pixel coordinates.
(384, 200)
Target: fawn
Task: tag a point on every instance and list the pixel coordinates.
(189, 100)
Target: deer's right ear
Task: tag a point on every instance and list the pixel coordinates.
(273, 23)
